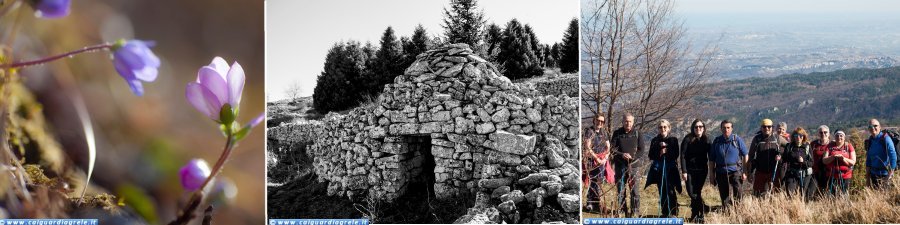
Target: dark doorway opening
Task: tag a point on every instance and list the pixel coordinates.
(417, 203)
(421, 164)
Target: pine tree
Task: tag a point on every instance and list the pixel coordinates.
(388, 62)
(414, 46)
(369, 76)
(554, 51)
(492, 37)
(568, 61)
(549, 59)
(463, 22)
(516, 57)
(338, 87)
(535, 44)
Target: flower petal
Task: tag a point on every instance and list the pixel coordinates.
(53, 8)
(129, 57)
(123, 69)
(149, 57)
(203, 100)
(147, 74)
(220, 65)
(214, 82)
(257, 120)
(136, 87)
(235, 84)
(136, 56)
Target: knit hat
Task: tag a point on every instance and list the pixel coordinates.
(766, 122)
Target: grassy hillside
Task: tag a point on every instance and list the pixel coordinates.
(290, 111)
(840, 99)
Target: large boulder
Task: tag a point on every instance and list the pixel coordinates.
(535, 178)
(517, 144)
(515, 196)
(493, 183)
(569, 202)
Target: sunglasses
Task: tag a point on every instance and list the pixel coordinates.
(824, 132)
(872, 126)
(767, 127)
(698, 126)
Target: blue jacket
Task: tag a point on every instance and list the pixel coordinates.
(881, 154)
(727, 153)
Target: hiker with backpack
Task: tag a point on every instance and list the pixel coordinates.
(765, 157)
(881, 156)
(627, 148)
(839, 161)
(664, 169)
(819, 147)
(726, 155)
(797, 163)
(596, 156)
(694, 155)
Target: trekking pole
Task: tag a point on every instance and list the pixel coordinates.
(662, 186)
(802, 181)
(666, 188)
(802, 185)
(774, 174)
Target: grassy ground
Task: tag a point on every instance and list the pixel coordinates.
(290, 111)
(650, 201)
(863, 206)
(306, 198)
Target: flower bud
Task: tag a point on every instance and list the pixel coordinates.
(194, 174)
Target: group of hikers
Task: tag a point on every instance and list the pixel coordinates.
(773, 160)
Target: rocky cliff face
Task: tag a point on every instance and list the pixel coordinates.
(453, 118)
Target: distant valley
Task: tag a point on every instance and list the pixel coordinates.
(840, 99)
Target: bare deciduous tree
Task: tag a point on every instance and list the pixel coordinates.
(293, 90)
(639, 60)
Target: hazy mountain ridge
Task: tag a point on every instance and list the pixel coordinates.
(843, 98)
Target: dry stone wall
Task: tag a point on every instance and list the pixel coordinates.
(563, 85)
(452, 108)
(305, 132)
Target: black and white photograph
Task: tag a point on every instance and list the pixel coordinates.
(457, 111)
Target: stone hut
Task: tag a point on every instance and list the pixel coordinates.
(453, 121)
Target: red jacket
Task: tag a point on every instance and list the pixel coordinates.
(818, 152)
(840, 168)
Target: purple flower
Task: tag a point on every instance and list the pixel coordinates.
(255, 121)
(52, 8)
(136, 63)
(217, 84)
(194, 174)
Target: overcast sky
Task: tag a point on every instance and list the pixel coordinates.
(299, 33)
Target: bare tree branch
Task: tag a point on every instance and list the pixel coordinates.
(640, 60)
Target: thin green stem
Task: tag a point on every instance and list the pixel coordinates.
(55, 57)
(197, 196)
(226, 153)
